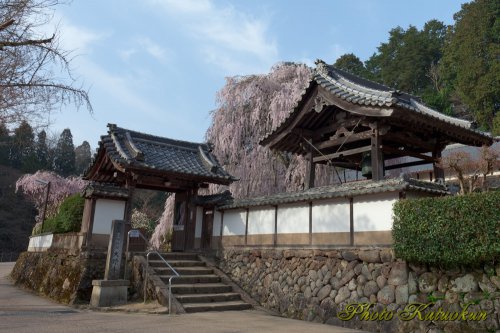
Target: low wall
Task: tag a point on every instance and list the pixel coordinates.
(71, 241)
(319, 286)
(40, 243)
(60, 275)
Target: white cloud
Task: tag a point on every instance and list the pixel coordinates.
(125, 55)
(153, 49)
(186, 6)
(336, 50)
(145, 44)
(72, 37)
(234, 39)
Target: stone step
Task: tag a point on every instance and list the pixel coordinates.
(177, 256)
(216, 306)
(184, 270)
(208, 298)
(177, 263)
(189, 279)
(200, 288)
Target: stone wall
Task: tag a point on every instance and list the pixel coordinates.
(64, 277)
(317, 285)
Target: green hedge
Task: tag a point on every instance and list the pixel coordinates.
(69, 216)
(448, 231)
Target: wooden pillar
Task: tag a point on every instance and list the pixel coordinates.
(310, 222)
(376, 153)
(275, 236)
(221, 228)
(351, 221)
(438, 170)
(310, 170)
(131, 182)
(246, 227)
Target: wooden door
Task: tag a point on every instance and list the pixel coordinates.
(207, 228)
(179, 226)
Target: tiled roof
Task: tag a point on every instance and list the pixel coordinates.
(214, 199)
(403, 183)
(104, 191)
(356, 90)
(134, 150)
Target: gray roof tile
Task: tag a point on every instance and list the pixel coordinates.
(403, 183)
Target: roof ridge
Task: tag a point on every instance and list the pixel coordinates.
(146, 135)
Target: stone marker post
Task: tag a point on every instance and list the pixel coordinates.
(112, 291)
(115, 250)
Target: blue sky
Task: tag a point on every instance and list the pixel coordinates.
(155, 65)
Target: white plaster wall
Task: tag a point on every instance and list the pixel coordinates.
(261, 221)
(293, 219)
(216, 227)
(234, 222)
(106, 211)
(40, 243)
(331, 216)
(374, 212)
(199, 221)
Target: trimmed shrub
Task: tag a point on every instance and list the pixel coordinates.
(448, 231)
(68, 217)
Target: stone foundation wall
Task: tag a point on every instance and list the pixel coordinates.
(64, 277)
(318, 285)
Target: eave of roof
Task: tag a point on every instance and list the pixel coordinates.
(362, 92)
(340, 191)
(136, 151)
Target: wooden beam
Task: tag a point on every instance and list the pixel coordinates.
(409, 140)
(345, 165)
(406, 165)
(342, 153)
(347, 139)
(303, 132)
(333, 127)
(376, 154)
(310, 169)
(405, 152)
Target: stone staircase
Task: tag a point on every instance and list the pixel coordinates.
(198, 288)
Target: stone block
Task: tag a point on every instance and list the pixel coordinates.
(109, 292)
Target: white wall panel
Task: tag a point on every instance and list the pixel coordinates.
(216, 227)
(106, 211)
(374, 212)
(199, 221)
(261, 221)
(293, 219)
(234, 222)
(331, 216)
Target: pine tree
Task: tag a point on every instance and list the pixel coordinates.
(64, 159)
(42, 151)
(83, 157)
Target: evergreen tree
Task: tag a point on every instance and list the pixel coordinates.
(5, 143)
(83, 156)
(404, 62)
(23, 150)
(351, 63)
(64, 159)
(42, 151)
(470, 65)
